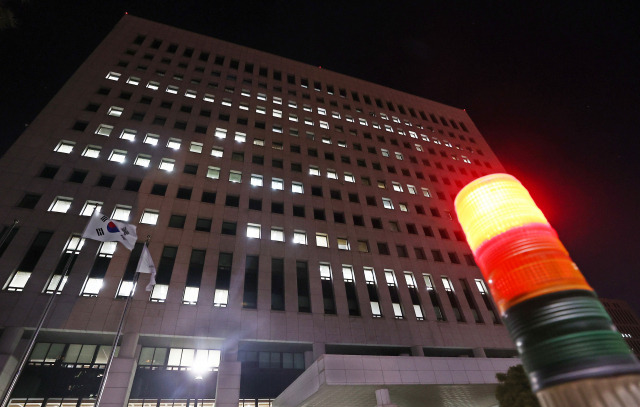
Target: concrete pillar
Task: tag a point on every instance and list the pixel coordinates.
(479, 353)
(228, 385)
(9, 341)
(417, 350)
(383, 399)
(308, 359)
(319, 349)
(123, 368)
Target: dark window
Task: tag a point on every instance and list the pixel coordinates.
(237, 156)
(36, 249)
(93, 107)
(276, 163)
(103, 91)
(420, 254)
(420, 210)
(159, 120)
(225, 118)
(383, 248)
(335, 194)
(302, 280)
(376, 223)
(203, 225)
(338, 217)
(294, 148)
(371, 200)
(205, 113)
(177, 221)
(354, 198)
(444, 234)
(29, 201)
(318, 214)
(298, 210)
(277, 207)
(49, 171)
(329, 156)
(132, 185)
(257, 159)
(208, 197)
(402, 250)
(229, 228)
(191, 169)
(250, 297)
(435, 212)
(312, 152)
(80, 126)
(180, 125)
(297, 167)
(145, 100)
(232, 200)
(358, 220)
(184, 193)
(427, 230)
(437, 255)
(106, 181)
(255, 204)
(166, 104)
(453, 257)
(277, 284)
(78, 176)
(316, 191)
(159, 189)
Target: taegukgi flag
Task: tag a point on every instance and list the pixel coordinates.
(145, 265)
(103, 229)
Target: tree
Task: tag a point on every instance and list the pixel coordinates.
(514, 389)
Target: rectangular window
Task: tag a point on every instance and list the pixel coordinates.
(235, 176)
(151, 139)
(90, 207)
(69, 255)
(93, 284)
(277, 284)
(163, 275)
(326, 280)
(415, 296)
(435, 298)
(167, 164)
(150, 217)
(482, 289)
(253, 231)
(61, 204)
(322, 240)
(223, 280)
(251, 273)
(277, 234)
(213, 172)
(20, 277)
(372, 290)
(302, 282)
(194, 277)
(277, 183)
(453, 299)
(65, 147)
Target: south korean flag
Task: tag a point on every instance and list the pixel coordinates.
(103, 229)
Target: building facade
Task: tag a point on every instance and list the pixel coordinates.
(301, 222)
(625, 320)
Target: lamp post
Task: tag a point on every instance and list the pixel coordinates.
(569, 347)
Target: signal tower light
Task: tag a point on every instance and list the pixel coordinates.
(561, 330)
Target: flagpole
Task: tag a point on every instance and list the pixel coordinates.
(8, 232)
(32, 341)
(103, 382)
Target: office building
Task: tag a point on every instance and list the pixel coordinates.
(301, 223)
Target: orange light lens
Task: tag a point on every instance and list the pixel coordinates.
(492, 205)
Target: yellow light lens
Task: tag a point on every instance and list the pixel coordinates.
(492, 205)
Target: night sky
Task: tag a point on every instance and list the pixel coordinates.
(554, 89)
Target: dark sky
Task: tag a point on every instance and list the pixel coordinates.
(554, 88)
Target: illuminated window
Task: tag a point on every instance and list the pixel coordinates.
(277, 113)
(213, 172)
(167, 164)
(133, 80)
(253, 231)
(142, 160)
(362, 121)
(118, 156)
(386, 202)
(403, 207)
(277, 183)
(90, 207)
(114, 76)
(331, 173)
(121, 212)
(151, 139)
(322, 240)
(385, 152)
(343, 243)
(313, 170)
(172, 89)
(104, 130)
(243, 106)
(426, 192)
(258, 142)
(324, 125)
(277, 234)
(297, 187)
(153, 85)
(150, 217)
(115, 111)
(159, 293)
(256, 180)
(348, 177)
(399, 156)
(190, 93)
(208, 98)
(235, 176)
(64, 147)
(216, 151)
(220, 133)
(412, 190)
(277, 128)
(299, 237)
(335, 115)
(195, 147)
(397, 186)
(61, 204)
(388, 128)
(261, 110)
(174, 143)
(128, 134)
(91, 151)
(240, 137)
(349, 119)
(262, 96)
